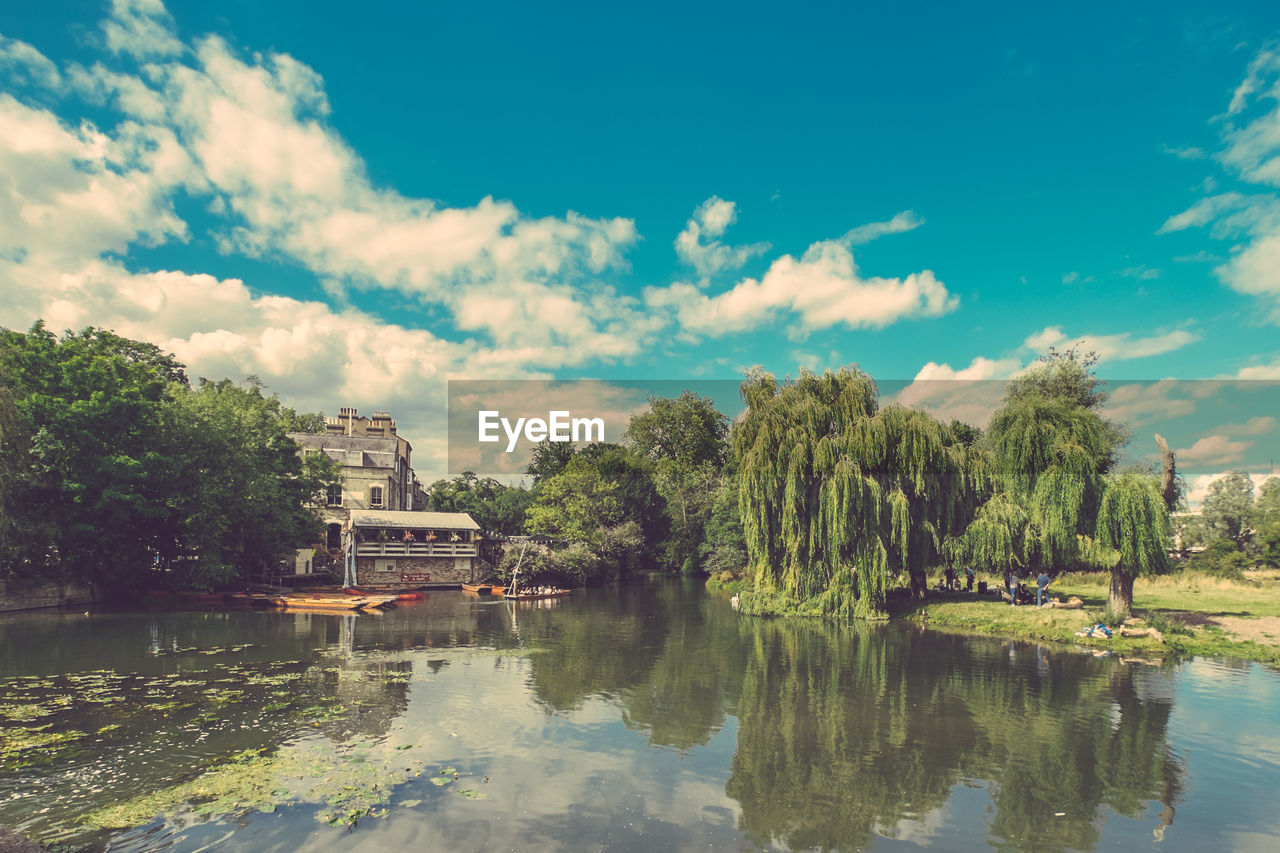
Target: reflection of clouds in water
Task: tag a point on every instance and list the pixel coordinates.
(570, 780)
(921, 831)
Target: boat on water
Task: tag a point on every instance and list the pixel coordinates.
(293, 602)
(483, 588)
(532, 596)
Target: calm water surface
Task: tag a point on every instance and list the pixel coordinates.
(646, 717)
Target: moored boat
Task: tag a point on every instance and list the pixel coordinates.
(531, 596)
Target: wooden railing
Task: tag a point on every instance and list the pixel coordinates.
(415, 549)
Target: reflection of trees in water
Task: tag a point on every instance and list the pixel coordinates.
(846, 731)
(599, 650)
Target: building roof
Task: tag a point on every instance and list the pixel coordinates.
(412, 520)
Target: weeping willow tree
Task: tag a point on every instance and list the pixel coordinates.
(1135, 531)
(1050, 453)
(837, 494)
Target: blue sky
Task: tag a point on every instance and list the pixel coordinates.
(356, 204)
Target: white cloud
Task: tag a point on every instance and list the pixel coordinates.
(141, 28)
(971, 394)
(699, 243)
(822, 288)
(1120, 347)
(1140, 404)
(1260, 371)
(1198, 487)
(905, 220)
(26, 65)
(1258, 425)
(250, 136)
(1251, 149)
(1213, 450)
(1140, 272)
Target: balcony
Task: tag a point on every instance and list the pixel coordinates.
(415, 549)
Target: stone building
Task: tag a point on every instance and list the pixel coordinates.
(413, 547)
(376, 469)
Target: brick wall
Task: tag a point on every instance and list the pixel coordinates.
(33, 596)
(441, 569)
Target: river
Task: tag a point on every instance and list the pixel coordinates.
(647, 716)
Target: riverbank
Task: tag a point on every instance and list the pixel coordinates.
(1191, 613)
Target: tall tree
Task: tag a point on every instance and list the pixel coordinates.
(1133, 525)
(837, 494)
(1228, 507)
(1051, 450)
(495, 506)
(685, 439)
(1266, 516)
(251, 496)
(99, 469)
(575, 503)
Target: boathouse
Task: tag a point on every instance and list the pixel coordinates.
(412, 548)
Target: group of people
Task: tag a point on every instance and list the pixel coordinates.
(1020, 594)
(953, 582)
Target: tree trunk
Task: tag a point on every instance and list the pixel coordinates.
(1168, 481)
(919, 583)
(1121, 598)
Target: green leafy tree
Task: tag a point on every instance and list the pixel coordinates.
(1133, 525)
(685, 439)
(1267, 523)
(251, 496)
(549, 459)
(1228, 508)
(637, 492)
(119, 473)
(495, 506)
(1051, 451)
(687, 429)
(99, 466)
(575, 503)
(838, 495)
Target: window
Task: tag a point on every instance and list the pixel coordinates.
(375, 497)
(334, 496)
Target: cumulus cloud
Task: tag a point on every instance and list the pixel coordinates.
(699, 243)
(1198, 487)
(1213, 450)
(1251, 150)
(1260, 371)
(1258, 425)
(249, 136)
(1141, 404)
(821, 289)
(27, 66)
(1119, 347)
(971, 394)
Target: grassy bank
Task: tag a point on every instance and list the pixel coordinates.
(1197, 614)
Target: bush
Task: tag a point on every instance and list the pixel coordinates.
(1165, 624)
(1221, 559)
(578, 564)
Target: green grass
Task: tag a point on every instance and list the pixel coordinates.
(1185, 606)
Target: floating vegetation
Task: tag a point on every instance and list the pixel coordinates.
(349, 783)
(22, 746)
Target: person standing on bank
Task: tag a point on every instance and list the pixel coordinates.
(968, 578)
(1042, 583)
(1011, 584)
